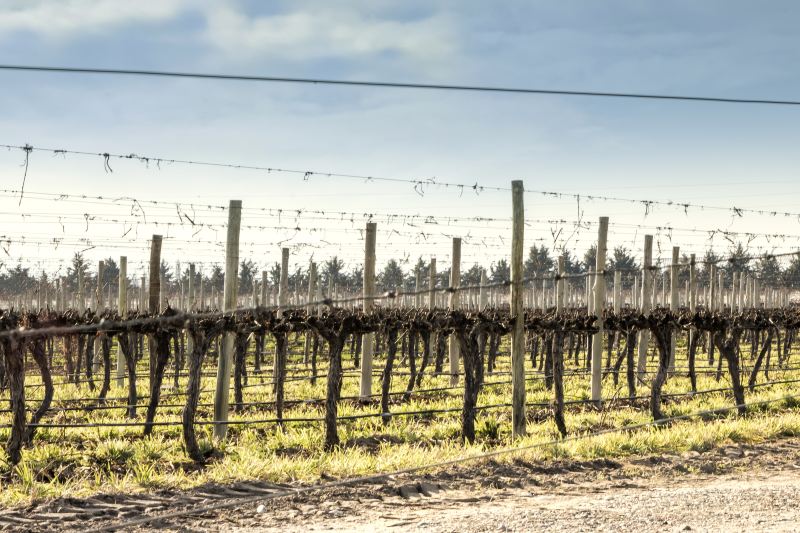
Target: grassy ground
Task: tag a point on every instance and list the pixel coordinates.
(84, 461)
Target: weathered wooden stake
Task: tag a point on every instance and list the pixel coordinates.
(455, 282)
(646, 303)
(368, 339)
(673, 300)
(517, 289)
(224, 364)
(600, 299)
(432, 283)
(123, 312)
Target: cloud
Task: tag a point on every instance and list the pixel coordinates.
(328, 33)
(65, 18)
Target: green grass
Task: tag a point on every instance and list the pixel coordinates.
(84, 461)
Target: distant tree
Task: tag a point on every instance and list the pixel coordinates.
(275, 274)
(298, 280)
(500, 272)
(247, 272)
(411, 279)
(704, 269)
(110, 273)
(472, 276)
(623, 260)
(332, 272)
(77, 265)
(538, 262)
(590, 258)
(355, 278)
(166, 273)
(739, 261)
(443, 278)
(391, 277)
(769, 270)
(216, 279)
(791, 275)
(571, 263)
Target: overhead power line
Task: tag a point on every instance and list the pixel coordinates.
(394, 85)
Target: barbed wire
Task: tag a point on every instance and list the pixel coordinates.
(419, 185)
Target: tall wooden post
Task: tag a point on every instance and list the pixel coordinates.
(192, 303)
(600, 299)
(155, 274)
(432, 283)
(455, 282)
(81, 290)
(143, 295)
(484, 294)
(264, 285)
(283, 288)
(517, 290)
(673, 300)
(368, 339)
(418, 289)
(122, 293)
(224, 363)
(312, 285)
(646, 302)
(712, 280)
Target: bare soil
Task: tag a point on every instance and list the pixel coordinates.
(731, 488)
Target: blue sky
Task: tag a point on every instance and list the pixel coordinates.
(713, 154)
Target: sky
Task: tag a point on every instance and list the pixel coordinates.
(724, 155)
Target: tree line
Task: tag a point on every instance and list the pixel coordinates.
(333, 274)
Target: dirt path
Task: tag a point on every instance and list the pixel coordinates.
(754, 488)
(734, 503)
(732, 489)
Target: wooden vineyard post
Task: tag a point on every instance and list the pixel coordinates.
(283, 302)
(432, 283)
(712, 304)
(264, 283)
(155, 274)
(81, 291)
(368, 339)
(600, 299)
(484, 295)
(673, 301)
(692, 303)
(517, 291)
(224, 363)
(758, 292)
(202, 297)
(742, 303)
(455, 282)
(283, 287)
(155, 289)
(123, 312)
(312, 283)
(98, 294)
(646, 303)
(191, 304)
(142, 295)
(418, 289)
(617, 291)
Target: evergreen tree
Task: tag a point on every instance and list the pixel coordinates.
(500, 272)
(391, 277)
(538, 262)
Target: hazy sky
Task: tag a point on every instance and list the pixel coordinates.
(717, 154)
